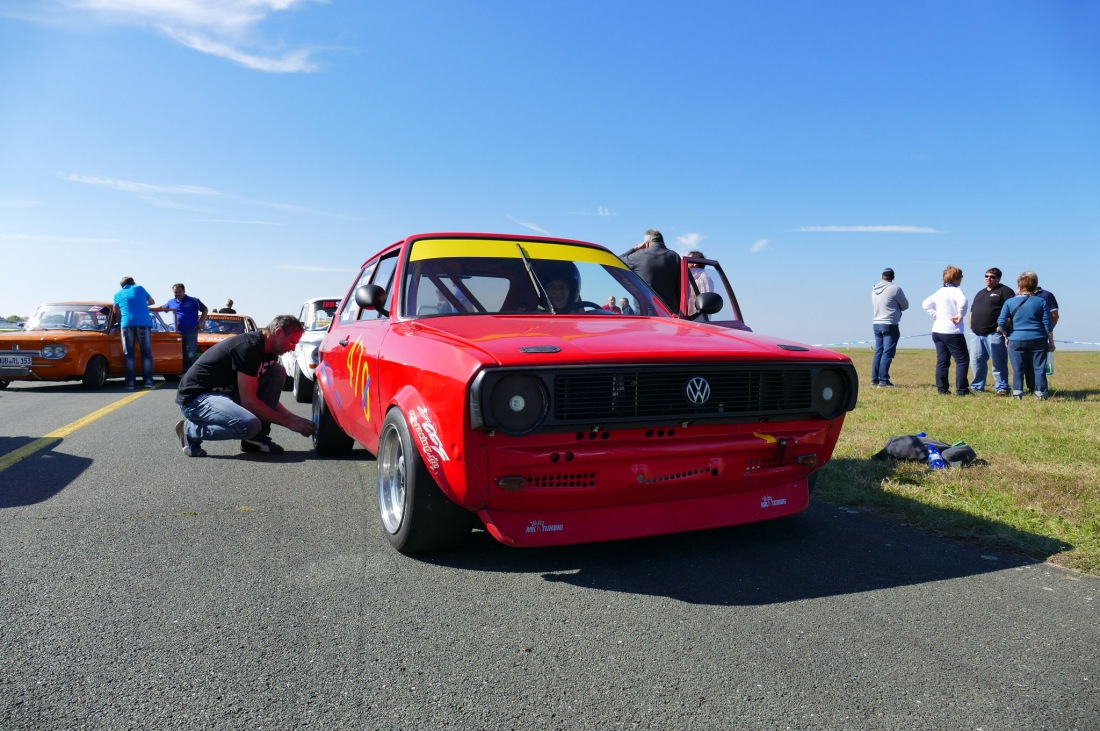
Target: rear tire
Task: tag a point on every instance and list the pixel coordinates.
(416, 515)
(328, 437)
(303, 387)
(95, 375)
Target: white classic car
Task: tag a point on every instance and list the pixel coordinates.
(316, 314)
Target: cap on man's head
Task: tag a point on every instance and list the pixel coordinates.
(887, 273)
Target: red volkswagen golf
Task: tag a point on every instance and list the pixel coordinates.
(493, 388)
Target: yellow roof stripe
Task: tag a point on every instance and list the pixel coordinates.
(424, 249)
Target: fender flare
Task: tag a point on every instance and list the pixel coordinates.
(422, 422)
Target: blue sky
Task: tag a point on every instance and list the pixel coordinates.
(262, 149)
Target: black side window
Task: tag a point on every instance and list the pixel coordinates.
(383, 277)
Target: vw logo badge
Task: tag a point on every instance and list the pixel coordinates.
(698, 391)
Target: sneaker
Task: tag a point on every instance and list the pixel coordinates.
(1018, 396)
(1041, 396)
(129, 386)
(1002, 393)
(886, 384)
(150, 384)
(191, 447)
(194, 450)
(261, 444)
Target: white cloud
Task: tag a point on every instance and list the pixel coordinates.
(142, 188)
(231, 220)
(602, 211)
(868, 229)
(223, 28)
(689, 241)
(759, 246)
(150, 191)
(65, 240)
(531, 226)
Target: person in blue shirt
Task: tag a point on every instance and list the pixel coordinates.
(190, 313)
(1028, 327)
(132, 305)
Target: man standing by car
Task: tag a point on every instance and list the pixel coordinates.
(233, 391)
(132, 305)
(658, 266)
(888, 302)
(986, 342)
(191, 313)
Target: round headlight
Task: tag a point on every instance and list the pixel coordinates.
(829, 393)
(518, 404)
(54, 352)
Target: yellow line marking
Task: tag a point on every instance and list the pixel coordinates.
(58, 434)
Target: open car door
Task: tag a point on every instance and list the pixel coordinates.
(699, 275)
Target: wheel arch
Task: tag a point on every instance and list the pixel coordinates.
(439, 449)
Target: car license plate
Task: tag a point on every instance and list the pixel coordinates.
(18, 361)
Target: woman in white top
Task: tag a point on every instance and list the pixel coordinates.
(948, 306)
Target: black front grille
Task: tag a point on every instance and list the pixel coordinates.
(663, 392)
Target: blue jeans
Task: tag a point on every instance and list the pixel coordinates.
(886, 344)
(1028, 355)
(218, 416)
(190, 347)
(984, 347)
(144, 340)
(950, 346)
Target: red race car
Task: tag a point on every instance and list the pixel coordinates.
(491, 385)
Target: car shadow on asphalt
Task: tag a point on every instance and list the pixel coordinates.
(825, 551)
(53, 471)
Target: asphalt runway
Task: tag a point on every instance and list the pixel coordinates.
(145, 590)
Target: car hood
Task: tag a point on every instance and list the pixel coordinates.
(32, 339)
(590, 339)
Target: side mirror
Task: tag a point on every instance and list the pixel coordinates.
(372, 297)
(707, 303)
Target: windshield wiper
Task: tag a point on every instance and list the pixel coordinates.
(539, 290)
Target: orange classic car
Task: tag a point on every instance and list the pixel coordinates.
(80, 341)
(217, 327)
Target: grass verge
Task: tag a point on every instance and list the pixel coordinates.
(1036, 487)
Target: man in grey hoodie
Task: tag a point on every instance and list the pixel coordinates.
(888, 301)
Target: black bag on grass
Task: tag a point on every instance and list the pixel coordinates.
(914, 448)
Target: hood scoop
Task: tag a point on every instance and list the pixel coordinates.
(540, 349)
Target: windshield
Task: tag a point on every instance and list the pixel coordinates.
(492, 276)
(70, 317)
(320, 314)
(218, 326)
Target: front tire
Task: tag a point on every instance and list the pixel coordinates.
(328, 437)
(416, 515)
(303, 387)
(95, 375)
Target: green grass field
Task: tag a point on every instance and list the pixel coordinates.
(1036, 488)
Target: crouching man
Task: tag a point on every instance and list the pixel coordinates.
(232, 391)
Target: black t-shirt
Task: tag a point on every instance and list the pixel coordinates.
(986, 308)
(216, 370)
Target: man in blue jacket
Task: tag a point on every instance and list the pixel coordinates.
(191, 313)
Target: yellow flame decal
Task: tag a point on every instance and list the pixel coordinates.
(359, 375)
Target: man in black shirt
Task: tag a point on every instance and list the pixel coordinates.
(658, 266)
(232, 391)
(987, 343)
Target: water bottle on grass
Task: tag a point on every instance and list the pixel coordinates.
(935, 459)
